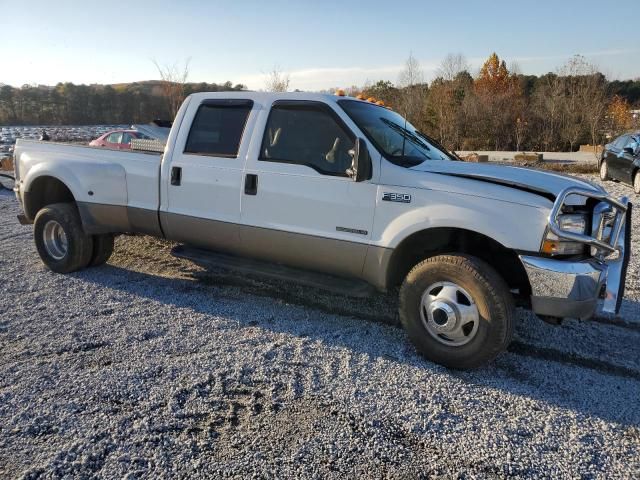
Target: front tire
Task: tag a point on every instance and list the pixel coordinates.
(60, 240)
(604, 171)
(457, 311)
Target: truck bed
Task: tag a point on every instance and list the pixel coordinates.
(117, 187)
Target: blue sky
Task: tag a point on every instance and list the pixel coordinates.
(320, 44)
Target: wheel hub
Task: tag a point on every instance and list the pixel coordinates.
(55, 240)
(449, 313)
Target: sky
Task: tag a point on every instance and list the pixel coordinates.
(319, 44)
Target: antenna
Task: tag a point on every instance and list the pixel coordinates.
(404, 133)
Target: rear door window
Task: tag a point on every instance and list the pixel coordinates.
(217, 128)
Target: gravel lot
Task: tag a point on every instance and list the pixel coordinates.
(150, 367)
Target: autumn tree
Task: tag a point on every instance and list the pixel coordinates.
(447, 93)
(619, 118)
(498, 97)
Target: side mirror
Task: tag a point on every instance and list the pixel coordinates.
(361, 164)
(628, 150)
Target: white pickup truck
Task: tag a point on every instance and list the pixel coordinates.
(348, 189)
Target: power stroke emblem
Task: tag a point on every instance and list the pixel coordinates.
(396, 197)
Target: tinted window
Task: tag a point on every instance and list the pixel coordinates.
(114, 137)
(217, 128)
(307, 134)
(126, 138)
(620, 142)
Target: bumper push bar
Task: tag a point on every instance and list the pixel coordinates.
(565, 288)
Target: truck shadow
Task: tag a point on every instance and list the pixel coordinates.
(572, 380)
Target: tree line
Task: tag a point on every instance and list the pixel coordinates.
(70, 104)
(502, 109)
(497, 109)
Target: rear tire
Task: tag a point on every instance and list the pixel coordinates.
(60, 240)
(102, 249)
(457, 311)
(604, 171)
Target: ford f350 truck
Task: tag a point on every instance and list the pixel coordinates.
(348, 189)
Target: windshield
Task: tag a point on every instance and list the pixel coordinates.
(399, 141)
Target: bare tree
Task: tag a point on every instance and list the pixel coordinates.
(585, 100)
(173, 78)
(412, 90)
(277, 81)
(451, 66)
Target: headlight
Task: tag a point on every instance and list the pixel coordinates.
(570, 222)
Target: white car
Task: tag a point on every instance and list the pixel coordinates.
(347, 189)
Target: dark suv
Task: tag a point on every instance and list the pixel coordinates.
(621, 160)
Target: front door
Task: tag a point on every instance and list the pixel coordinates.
(299, 206)
(204, 178)
(615, 158)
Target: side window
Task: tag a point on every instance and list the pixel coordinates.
(306, 133)
(217, 128)
(114, 137)
(126, 138)
(621, 142)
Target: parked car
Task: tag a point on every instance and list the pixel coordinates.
(620, 160)
(118, 139)
(342, 193)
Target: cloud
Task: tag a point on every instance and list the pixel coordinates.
(323, 78)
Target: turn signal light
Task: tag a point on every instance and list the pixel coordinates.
(550, 247)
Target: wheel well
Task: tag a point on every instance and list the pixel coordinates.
(45, 191)
(436, 241)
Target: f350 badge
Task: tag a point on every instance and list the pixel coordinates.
(396, 197)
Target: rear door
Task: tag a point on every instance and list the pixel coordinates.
(299, 206)
(125, 143)
(205, 175)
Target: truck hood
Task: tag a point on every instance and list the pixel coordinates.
(546, 184)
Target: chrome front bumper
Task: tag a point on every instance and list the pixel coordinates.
(571, 289)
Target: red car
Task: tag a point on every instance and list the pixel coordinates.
(118, 139)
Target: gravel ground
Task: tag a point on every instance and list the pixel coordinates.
(150, 367)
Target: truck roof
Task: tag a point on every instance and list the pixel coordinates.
(268, 97)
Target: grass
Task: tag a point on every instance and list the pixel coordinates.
(560, 167)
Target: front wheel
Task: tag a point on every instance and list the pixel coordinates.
(457, 310)
(60, 240)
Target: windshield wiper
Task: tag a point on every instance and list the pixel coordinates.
(451, 154)
(408, 135)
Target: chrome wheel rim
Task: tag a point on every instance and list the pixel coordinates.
(449, 314)
(55, 240)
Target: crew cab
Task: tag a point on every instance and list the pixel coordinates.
(348, 189)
